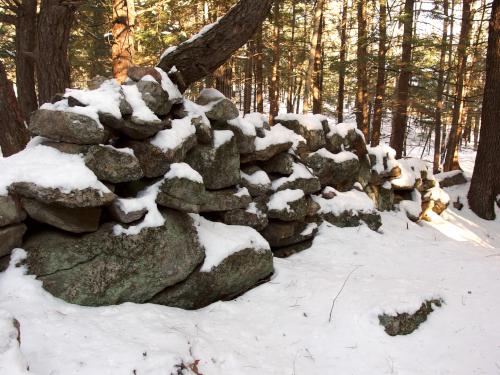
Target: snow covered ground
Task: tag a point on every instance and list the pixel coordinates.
(283, 327)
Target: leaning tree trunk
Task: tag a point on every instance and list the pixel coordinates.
(342, 67)
(485, 184)
(451, 158)
(361, 70)
(380, 90)
(440, 91)
(13, 132)
(52, 63)
(122, 51)
(400, 116)
(209, 50)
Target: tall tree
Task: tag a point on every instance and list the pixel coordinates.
(317, 88)
(259, 81)
(485, 184)
(400, 115)
(318, 14)
(342, 63)
(274, 81)
(451, 159)
(440, 91)
(361, 70)
(123, 37)
(247, 98)
(380, 89)
(291, 75)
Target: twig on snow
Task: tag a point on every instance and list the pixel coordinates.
(340, 291)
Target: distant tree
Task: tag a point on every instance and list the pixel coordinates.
(342, 63)
(361, 70)
(123, 37)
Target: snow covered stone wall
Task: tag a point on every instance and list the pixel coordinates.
(133, 193)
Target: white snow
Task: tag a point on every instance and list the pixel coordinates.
(256, 178)
(146, 199)
(48, 168)
(411, 169)
(412, 207)
(12, 361)
(309, 121)
(438, 194)
(257, 119)
(299, 171)
(343, 128)
(281, 199)
(149, 78)
(194, 110)
(278, 135)
(139, 107)
(62, 105)
(253, 209)
(244, 125)
(170, 139)
(353, 200)
(211, 94)
(183, 170)
(222, 137)
(338, 158)
(124, 150)
(241, 192)
(168, 86)
(441, 176)
(221, 240)
(381, 151)
(311, 227)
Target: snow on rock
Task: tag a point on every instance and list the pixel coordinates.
(343, 128)
(221, 240)
(221, 137)
(256, 119)
(437, 194)
(353, 200)
(280, 200)
(12, 361)
(256, 178)
(195, 110)
(380, 152)
(241, 192)
(62, 105)
(139, 107)
(341, 157)
(309, 229)
(183, 170)
(246, 126)
(441, 176)
(168, 86)
(299, 171)
(413, 207)
(170, 139)
(309, 121)
(49, 168)
(146, 199)
(124, 150)
(411, 171)
(278, 135)
(210, 94)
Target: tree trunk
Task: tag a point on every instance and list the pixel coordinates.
(274, 83)
(380, 90)
(224, 80)
(400, 115)
(318, 73)
(342, 67)
(13, 132)
(25, 62)
(451, 159)
(209, 50)
(485, 184)
(123, 38)
(259, 83)
(247, 99)
(318, 14)
(361, 71)
(52, 64)
(291, 76)
(439, 92)
(477, 119)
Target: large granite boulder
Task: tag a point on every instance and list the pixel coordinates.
(287, 205)
(308, 126)
(281, 164)
(219, 108)
(104, 269)
(338, 170)
(154, 96)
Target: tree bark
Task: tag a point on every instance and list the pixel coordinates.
(361, 71)
(485, 183)
(400, 115)
(122, 50)
(274, 83)
(380, 90)
(247, 95)
(451, 159)
(205, 53)
(224, 80)
(342, 67)
(259, 91)
(317, 89)
(440, 91)
(13, 132)
(291, 75)
(318, 14)
(52, 64)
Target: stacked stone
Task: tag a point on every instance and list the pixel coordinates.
(12, 228)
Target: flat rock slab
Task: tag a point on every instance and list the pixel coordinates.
(282, 233)
(234, 276)
(266, 153)
(103, 269)
(88, 197)
(67, 127)
(11, 237)
(11, 211)
(74, 220)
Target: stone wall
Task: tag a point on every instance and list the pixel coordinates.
(184, 183)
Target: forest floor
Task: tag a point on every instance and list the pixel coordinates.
(284, 326)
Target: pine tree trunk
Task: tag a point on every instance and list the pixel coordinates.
(318, 72)
(361, 71)
(224, 80)
(439, 92)
(342, 67)
(259, 83)
(52, 63)
(400, 116)
(308, 89)
(485, 184)
(247, 100)
(380, 90)
(25, 60)
(451, 159)
(274, 83)
(123, 37)
(291, 75)
(477, 119)
(13, 132)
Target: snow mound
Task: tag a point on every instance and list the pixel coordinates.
(221, 137)
(183, 170)
(411, 171)
(244, 125)
(256, 178)
(343, 128)
(353, 200)
(278, 135)
(338, 158)
(139, 107)
(280, 200)
(309, 121)
(170, 139)
(299, 171)
(256, 119)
